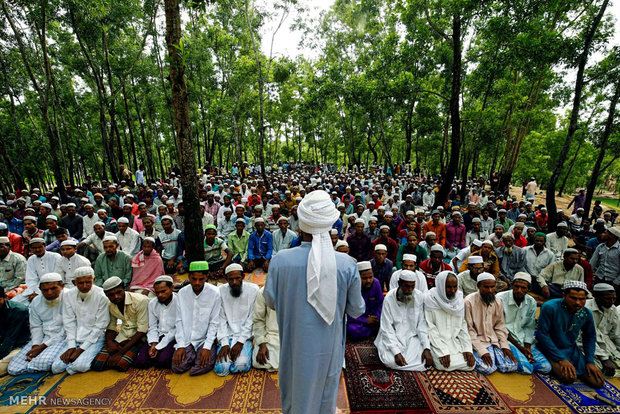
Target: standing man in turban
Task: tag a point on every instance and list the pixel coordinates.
(311, 287)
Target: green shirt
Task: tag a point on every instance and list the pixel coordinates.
(12, 271)
(239, 245)
(214, 252)
(106, 268)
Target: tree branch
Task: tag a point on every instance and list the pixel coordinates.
(433, 25)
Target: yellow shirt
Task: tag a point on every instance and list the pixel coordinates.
(135, 317)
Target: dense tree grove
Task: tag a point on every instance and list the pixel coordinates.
(457, 87)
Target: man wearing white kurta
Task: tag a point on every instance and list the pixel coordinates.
(46, 329)
(39, 263)
(128, 239)
(198, 317)
(69, 262)
(234, 333)
(402, 341)
(266, 353)
(409, 265)
(85, 317)
(444, 308)
(282, 237)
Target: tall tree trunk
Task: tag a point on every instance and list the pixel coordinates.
(147, 146)
(570, 169)
(132, 141)
(193, 224)
(455, 114)
(596, 170)
(574, 118)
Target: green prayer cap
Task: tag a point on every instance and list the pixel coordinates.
(210, 226)
(198, 266)
(358, 195)
(540, 234)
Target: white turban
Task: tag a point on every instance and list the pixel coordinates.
(317, 215)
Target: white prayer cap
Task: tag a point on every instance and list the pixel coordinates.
(430, 233)
(123, 220)
(372, 219)
(523, 276)
(71, 205)
(167, 217)
(258, 207)
(51, 217)
(382, 207)
(361, 266)
(456, 213)
(102, 210)
(371, 202)
(411, 257)
(46, 205)
(50, 277)
(476, 220)
(562, 224)
(259, 220)
(163, 278)
(31, 218)
(333, 231)
(35, 240)
(489, 242)
(111, 283)
(234, 267)
(99, 223)
(519, 224)
(603, 287)
(410, 212)
(83, 271)
(341, 243)
(360, 220)
(408, 276)
(475, 260)
(110, 238)
(437, 248)
(389, 214)
(149, 239)
(241, 220)
(71, 243)
(380, 247)
(485, 276)
(477, 243)
(575, 284)
(85, 199)
(614, 231)
(282, 218)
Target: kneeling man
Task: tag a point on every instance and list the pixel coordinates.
(402, 342)
(368, 324)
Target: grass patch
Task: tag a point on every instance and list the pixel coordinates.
(608, 203)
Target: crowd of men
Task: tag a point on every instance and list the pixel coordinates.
(87, 282)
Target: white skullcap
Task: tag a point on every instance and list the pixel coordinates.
(475, 260)
(437, 248)
(101, 210)
(51, 217)
(562, 224)
(282, 218)
(333, 231)
(123, 220)
(167, 217)
(71, 243)
(407, 276)
(485, 276)
(71, 205)
(373, 218)
(233, 267)
(430, 233)
(489, 242)
(411, 257)
(149, 239)
(163, 278)
(614, 231)
(111, 283)
(603, 287)
(241, 220)
(83, 271)
(360, 220)
(380, 247)
(523, 276)
(477, 243)
(410, 212)
(361, 266)
(110, 238)
(46, 205)
(575, 284)
(36, 240)
(259, 220)
(31, 218)
(50, 277)
(389, 214)
(341, 243)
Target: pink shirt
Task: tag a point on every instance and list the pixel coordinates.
(486, 323)
(146, 269)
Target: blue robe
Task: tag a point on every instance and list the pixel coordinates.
(558, 331)
(311, 351)
(358, 328)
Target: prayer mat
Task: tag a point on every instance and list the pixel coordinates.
(373, 388)
(258, 276)
(527, 394)
(582, 399)
(460, 392)
(20, 393)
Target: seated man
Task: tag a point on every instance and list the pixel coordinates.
(266, 354)
(552, 277)
(537, 256)
(69, 262)
(382, 266)
(234, 333)
(39, 263)
(434, 265)
(159, 347)
(487, 329)
(559, 325)
(147, 265)
(14, 331)
(607, 322)
(215, 248)
(260, 247)
(12, 269)
(368, 324)
(409, 264)
(468, 279)
(123, 345)
(444, 308)
(85, 317)
(92, 246)
(112, 263)
(238, 242)
(128, 238)
(168, 241)
(196, 348)
(520, 317)
(511, 257)
(402, 342)
(46, 330)
(283, 236)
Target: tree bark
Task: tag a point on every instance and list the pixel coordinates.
(574, 118)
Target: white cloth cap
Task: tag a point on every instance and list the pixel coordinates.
(361, 266)
(50, 277)
(614, 231)
(437, 248)
(111, 283)
(485, 276)
(380, 247)
(477, 243)
(36, 240)
(51, 217)
(110, 238)
(83, 271)
(360, 220)
(603, 287)
(410, 257)
(575, 284)
(341, 243)
(163, 278)
(475, 260)
(123, 220)
(523, 276)
(317, 214)
(233, 267)
(408, 276)
(71, 243)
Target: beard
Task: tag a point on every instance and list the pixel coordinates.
(488, 299)
(235, 291)
(452, 296)
(508, 250)
(406, 298)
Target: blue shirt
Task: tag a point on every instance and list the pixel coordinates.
(382, 272)
(15, 225)
(260, 247)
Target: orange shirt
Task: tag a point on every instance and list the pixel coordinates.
(439, 229)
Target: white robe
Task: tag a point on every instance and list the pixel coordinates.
(46, 325)
(129, 242)
(162, 322)
(265, 331)
(85, 321)
(448, 335)
(420, 284)
(65, 267)
(403, 330)
(236, 314)
(198, 317)
(35, 268)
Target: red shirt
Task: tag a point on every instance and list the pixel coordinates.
(425, 267)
